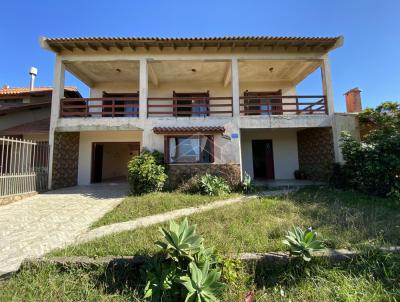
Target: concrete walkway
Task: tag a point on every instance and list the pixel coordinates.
(36, 225)
(163, 217)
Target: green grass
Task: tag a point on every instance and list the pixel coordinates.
(373, 277)
(347, 219)
(154, 203)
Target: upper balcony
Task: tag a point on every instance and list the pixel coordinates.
(193, 89)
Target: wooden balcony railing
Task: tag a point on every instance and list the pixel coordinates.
(278, 105)
(189, 106)
(100, 107)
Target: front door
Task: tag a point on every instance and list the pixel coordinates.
(97, 163)
(263, 159)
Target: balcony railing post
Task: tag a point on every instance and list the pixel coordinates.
(113, 108)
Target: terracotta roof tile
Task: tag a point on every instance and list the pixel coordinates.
(188, 130)
(13, 91)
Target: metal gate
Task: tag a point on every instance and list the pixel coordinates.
(23, 166)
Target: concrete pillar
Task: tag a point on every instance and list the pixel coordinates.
(328, 92)
(143, 88)
(58, 93)
(235, 87)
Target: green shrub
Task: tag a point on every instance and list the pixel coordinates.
(186, 269)
(247, 184)
(373, 165)
(145, 175)
(191, 186)
(214, 185)
(303, 243)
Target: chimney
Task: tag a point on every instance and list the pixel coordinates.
(33, 72)
(353, 100)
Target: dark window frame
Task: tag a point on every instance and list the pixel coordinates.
(210, 140)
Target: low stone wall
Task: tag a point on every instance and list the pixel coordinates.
(316, 152)
(65, 159)
(180, 173)
(13, 198)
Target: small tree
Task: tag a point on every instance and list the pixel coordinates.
(373, 165)
(145, 174)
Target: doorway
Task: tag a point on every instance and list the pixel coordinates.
(110, 160)
(263, 159)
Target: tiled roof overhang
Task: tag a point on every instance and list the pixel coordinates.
(10, 108)
(40, 126)
(189, 130)
(95, 43)
(25, 91)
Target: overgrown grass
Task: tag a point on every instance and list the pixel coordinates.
(347, 219)
(154, 203)
(373, 277)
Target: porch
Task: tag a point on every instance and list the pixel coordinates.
(193, 88)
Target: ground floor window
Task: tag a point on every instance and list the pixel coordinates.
(189, 149)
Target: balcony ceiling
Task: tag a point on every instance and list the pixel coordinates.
(293, 71)
(279, 71)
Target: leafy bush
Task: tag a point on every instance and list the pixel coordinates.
(248, 184)
(373, 165)
(191, 186)
(303, 243)
(145, 175)
(186, 271)
(214, 185)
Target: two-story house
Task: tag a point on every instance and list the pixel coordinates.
(217, 104)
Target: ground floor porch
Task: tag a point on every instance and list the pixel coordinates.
(265, 154)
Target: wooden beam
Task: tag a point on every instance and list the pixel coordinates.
(173, 45)
(69, 48)
(228, 75)
(146, 46)
(153, 75)
(79, 46)
(133, 47)
(93, 47)
(105, 46)
(119, 46)
(189, 46)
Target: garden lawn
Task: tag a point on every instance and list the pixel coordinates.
(154, 203)
(345, 219)
(373, 277)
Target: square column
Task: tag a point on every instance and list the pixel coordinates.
(57, 95)
(235, 87)
(143, 88)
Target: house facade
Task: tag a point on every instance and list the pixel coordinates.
(226, 105)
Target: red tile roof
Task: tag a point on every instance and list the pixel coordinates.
(40, 126)
(15, 91)
(189, 130)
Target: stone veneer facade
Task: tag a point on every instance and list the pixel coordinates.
(65, 159)
(180, 173)
(316, 152)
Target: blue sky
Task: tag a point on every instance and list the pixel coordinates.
(369, 58)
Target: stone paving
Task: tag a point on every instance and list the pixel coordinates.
(34, 226)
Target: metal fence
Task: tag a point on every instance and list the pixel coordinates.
(23, 166)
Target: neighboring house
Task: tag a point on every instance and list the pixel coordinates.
(222, 104)
(25, 112)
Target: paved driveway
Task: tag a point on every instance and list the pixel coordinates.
(34, 226)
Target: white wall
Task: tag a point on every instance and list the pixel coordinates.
(85, 148)
(284, 142)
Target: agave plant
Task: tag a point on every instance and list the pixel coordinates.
(303, 243)
(160, 281)
(202, 285)
(181, 240)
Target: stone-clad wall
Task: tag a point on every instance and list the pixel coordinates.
(180, 173)
(65, 159)
(316, 152)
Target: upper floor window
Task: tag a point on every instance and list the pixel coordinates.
(190, 149)
(263, 103)
(191, 104)
(125, 104)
